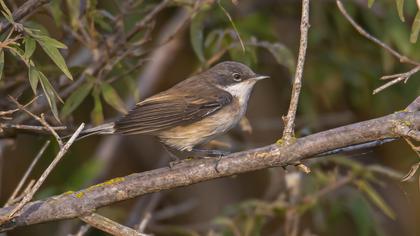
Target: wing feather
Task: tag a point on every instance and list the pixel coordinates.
(170, 109)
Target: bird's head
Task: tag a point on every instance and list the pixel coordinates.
(234, 77)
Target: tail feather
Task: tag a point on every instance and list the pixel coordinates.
(107, 128)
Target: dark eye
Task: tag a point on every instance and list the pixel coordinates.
(236, 76)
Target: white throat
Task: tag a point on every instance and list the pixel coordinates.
(241, 90)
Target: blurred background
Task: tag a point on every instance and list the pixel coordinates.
(115, 61)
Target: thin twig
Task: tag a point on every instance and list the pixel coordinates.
(9, 112)
(24, 11)
(46, 173)
(109, 226)
(402, 58)
(147, 215)
(27, 173)
(27, 128)
(289, 120)
(397, 78)
(25, 191)
(40, 120)
(329, 188)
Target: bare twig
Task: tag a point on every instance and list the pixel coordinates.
(27, 9)
(8, 130)
(40, 120)
(10, 112)
(288, 133)
(415, 166)
(147, 215)
(28, 197)
(396, 78)
(402, 58)
(27, 173)
(329, 188)
(175, 210)
(109, 226)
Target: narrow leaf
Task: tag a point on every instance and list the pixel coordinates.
(50, 94)
(197, 35)
(370, 3)
(233, 25)
(7, 13)
(112, 98)
(281, 54)
(50, 41)
(415, 28)
(97, 114)
(76, 98)
(56, 11)
(30, 46)
(1, 63)
(376, 199)
(33, 76)
(400, 9)
(56, 57)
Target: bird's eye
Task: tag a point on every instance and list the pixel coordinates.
(236, 76)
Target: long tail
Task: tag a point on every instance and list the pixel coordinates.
(107, 128)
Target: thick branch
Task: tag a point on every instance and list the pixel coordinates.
(70, 205)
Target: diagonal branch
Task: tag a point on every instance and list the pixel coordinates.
(86, 201)
(402, 58)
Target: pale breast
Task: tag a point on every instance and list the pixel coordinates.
(187, 136)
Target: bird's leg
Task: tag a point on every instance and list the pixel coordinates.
(212, 153)
(204, 153)
(174, 158)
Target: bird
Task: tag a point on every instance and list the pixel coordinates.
(192, 112)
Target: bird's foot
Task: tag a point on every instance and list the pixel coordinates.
(173, 163)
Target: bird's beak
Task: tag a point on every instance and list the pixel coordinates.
(260, 77)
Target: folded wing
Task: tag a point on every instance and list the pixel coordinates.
(172, 108)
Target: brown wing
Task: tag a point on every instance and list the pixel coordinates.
(172, 108)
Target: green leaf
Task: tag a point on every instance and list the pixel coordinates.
(281, 53)
(1, 63)
(400, 9)
(375, 198)
(359, 209)
(30, 46)
(7, 13)
(50, 93)
(415, 28)
(87, 170)
(56, 11)
(74, 8)
(48, 40)
(197, 35)
(76, 98)
(97, 115)
(132, 87)
(228, 223)
(111, 97)
(33, 76)
(370, 3)
(50, 48)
